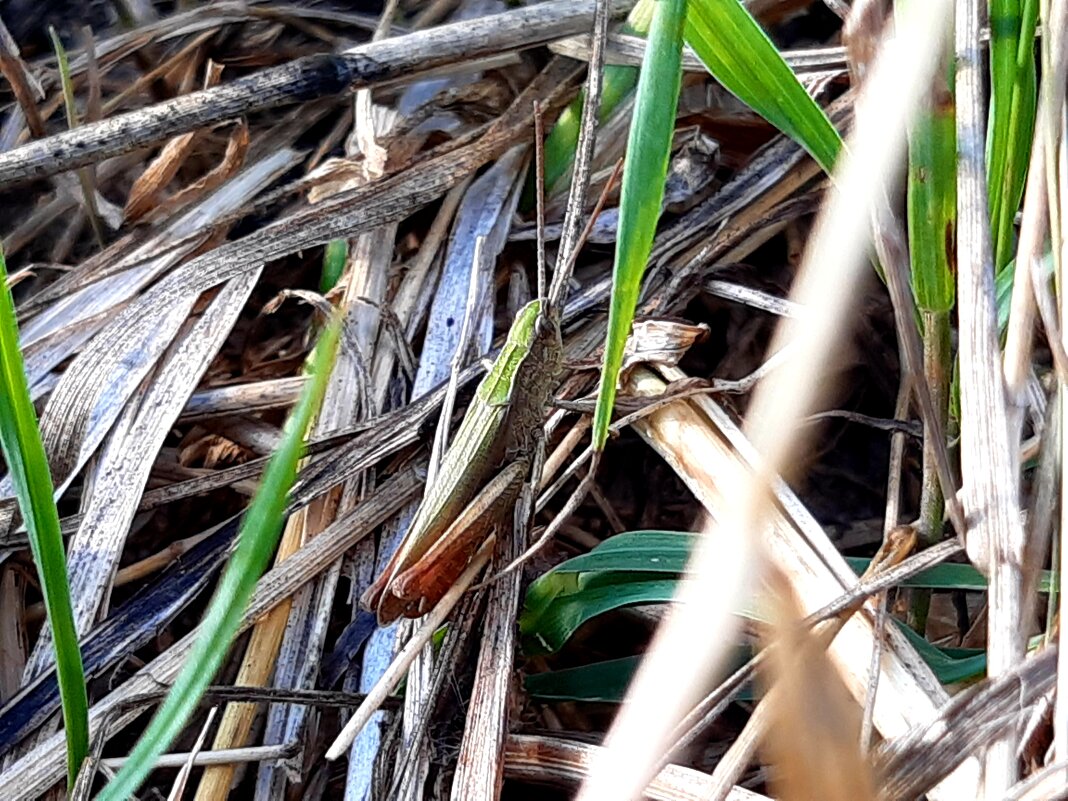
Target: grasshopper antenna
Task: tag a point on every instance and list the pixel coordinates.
(580, 179)
(539, 185)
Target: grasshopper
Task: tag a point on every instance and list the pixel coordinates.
(482, 472)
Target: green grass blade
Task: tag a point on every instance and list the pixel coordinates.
(948, 667)
(1012, 115)
(648, 150)
(932, 201)
(561, 142)
(600, 682)
(335, 255)
(258, 538)
(607, 682)
(740, 56)
(85, 174)
(643, 567)
(28, 466)
(546, 633)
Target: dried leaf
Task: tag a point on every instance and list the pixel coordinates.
(147, 189)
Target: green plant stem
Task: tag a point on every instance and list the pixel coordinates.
(937, 365)
(618, 84)
(335, 255)
(1012, 116)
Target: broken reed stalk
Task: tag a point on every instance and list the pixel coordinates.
(988, 454)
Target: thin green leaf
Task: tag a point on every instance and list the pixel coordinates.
(948, 669)
(32, 481)
(334, 257)
(648, 149)
(641, 567)
(605, 682)
(1012, 115)
(258, 538)
(561, 142)
(948, 576)
(657, 551)
(546, 633)
(1003, 282)
(85, 174)
(932, 199)
(739, 54)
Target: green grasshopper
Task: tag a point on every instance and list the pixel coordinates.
(482, 472)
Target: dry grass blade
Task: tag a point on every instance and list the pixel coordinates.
(37, 771)
(19, 77)
(989, 454)
(289, 642)
(78, 305)
(463, 288)
(480, 767)
(403, 661)
(703, 445)
(88, 397)
(833, 265)
(180, 782)
(973, 719)
(401, 58)
(628, 50)
(370, 165)
(127, 460)
(144, 193)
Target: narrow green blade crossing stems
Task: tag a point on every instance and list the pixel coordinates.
(648, 149)
(85, 174)
(256, 544)
(741, 57)
(25, 455)
(334, 256)
(1012, 115)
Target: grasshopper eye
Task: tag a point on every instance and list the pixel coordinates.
(542, 325)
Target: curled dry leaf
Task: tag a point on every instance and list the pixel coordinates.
(661, 342)
(233, 159)
(652, 341)
(373, 160)
(334, 176)
(147, 194)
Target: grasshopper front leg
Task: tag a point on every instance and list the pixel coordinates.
(418, 588)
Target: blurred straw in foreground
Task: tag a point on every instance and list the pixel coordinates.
(690, 647)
